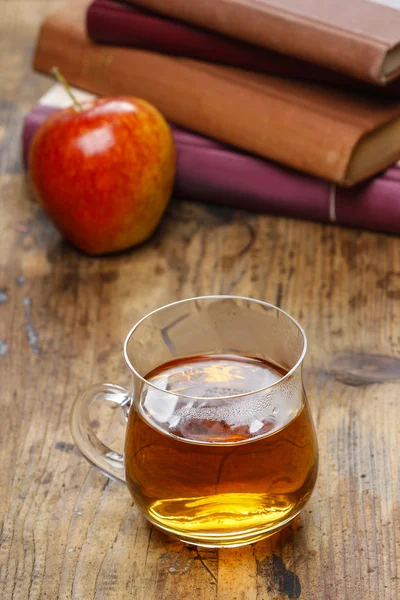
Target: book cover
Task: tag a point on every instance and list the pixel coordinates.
(360, 38)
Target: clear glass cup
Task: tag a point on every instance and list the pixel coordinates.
(222, 464)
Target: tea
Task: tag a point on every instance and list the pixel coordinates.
(202, 469)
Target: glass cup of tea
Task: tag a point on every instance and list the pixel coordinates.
(220, 446)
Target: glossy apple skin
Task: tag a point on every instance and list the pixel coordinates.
(104, 175)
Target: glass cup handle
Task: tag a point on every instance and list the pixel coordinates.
(98, 454)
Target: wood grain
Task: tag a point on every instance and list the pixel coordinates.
(69, 533)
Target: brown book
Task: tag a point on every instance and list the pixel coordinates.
(358, 37)
(327, 132)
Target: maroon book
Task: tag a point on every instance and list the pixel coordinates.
(114, 23)
(210, 172)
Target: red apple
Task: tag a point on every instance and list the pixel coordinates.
(104, 173)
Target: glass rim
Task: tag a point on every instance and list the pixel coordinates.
(217, 297)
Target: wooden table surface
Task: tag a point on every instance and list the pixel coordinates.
(67, 532)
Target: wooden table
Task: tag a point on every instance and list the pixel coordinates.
(67, 532)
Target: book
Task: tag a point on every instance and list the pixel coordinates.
(116, 23)
(360, 38)
(327, 132)
(210, 172)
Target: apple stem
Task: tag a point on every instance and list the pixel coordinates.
(61, 79)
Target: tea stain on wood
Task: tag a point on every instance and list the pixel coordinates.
(277, 576)
(364, 369)
(69, 534)
(32, 335)
(3, 348)
(64, 446)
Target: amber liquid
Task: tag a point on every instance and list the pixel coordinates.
(218, 482)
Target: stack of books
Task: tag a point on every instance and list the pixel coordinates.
(287, 106)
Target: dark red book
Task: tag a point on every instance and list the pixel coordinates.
(115, 23)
